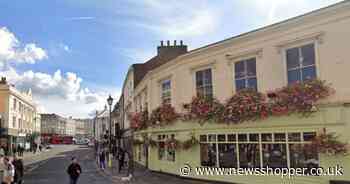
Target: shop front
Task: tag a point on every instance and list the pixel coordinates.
(276, 142)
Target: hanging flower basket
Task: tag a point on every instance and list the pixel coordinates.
(329, 144)
(163, 115)
(187, 144)
(138, 120)
(245, 105)
(203, 109)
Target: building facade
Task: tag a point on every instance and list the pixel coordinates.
(311, 46)
(53, 124)
(19, 118)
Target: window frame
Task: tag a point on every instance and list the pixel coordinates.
(202, 69)
(162, 92)
(245, 78)
(260, 143)
(300, 44)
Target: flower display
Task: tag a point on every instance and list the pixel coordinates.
(250, 105)
(164, 114)
(138, 120)
(187, 144)
(299, 97)
(245, 105)
(203, 109)
(328, 143)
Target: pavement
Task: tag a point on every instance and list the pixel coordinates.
(52, 170)
(142, 175)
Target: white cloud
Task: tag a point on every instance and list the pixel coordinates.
(59, 93)
(11, 50)
(272, 11)
(177, 18)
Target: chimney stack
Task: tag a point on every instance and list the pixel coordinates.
(3, 80)
(168, 49)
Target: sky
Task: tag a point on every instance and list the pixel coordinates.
(74, 53)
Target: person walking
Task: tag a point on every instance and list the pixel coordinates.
(103, 159)
(19, 170)
(74, 171)
(9, 172)
(121, 159)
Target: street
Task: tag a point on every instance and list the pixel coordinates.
(53, 171)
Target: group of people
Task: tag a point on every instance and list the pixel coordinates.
(12, 170)
(121, 154)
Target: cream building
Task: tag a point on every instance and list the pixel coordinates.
(19, 118)
(314, 45)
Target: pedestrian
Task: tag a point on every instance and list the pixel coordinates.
(34, 148)
(74, 171)
(21, 150)
(121, 159)
(2, 151)
(19, 170)
(103, 159)
(14, 149)
(40, 147)
(9, 172)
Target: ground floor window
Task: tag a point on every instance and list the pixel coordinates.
(166, 151)
(252, 150)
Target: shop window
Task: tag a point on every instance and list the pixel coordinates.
(245, 74)
(227, 155)
(208, 154)
(243, 150)
(294, 137)
(299, 158)
(204, 85)
(166, 152)
(301, 63)
(249, 156)
(171, 151)
(274, 155)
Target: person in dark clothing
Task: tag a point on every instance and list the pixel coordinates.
(19, 170)
(121, 158)
(74, 171)
(103, 159)
(19, 150)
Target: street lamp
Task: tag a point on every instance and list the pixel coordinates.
(110, 102)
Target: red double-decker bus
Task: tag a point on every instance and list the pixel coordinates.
(67, 140)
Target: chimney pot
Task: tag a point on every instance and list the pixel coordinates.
(161, 43)
(181, 42)
(174, 42)
(168, 43)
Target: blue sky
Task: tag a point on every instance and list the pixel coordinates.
(73, 53)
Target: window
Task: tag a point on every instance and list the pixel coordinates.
(245, 74)
(254, 150)
(204, 84)
(14, 103)
(14, 122)
(166, 92)
(166, 152)
(301, 63)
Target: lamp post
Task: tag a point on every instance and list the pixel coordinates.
(110, 102)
